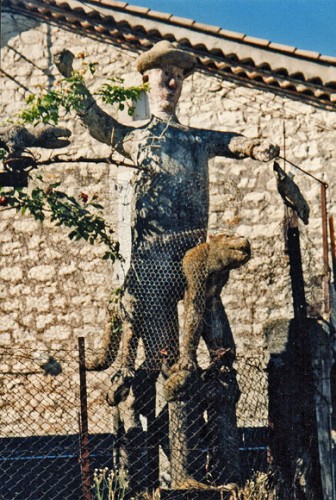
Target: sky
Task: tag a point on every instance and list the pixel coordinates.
(304, 24)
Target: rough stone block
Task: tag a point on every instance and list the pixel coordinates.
(42, 273)
(42, 321)
(13, 274)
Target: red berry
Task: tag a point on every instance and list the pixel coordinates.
(84, 197)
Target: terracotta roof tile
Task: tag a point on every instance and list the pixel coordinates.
(160, 15)
(256, 41)
(207, 27)
(307, 53)
(183, 21)
(328, 59)
(231, 34)
(281, 47)
(113, 3)
(137, 9)
(222, 51)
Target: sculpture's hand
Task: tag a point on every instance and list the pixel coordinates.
(63, 61)
(50, 137)
(258, 149)
(17, 138)
(264, 151)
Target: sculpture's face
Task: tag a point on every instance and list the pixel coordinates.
(165, 86)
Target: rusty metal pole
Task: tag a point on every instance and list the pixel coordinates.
(325, 247)
(84, 428)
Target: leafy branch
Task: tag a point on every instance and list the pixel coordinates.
(112, 94)
(65, 211)
(67, 94)
(45, 107)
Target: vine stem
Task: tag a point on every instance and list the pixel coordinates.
(81, 159)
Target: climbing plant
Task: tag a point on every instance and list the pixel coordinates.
(66, 211)
(83, 216)
(67, 94)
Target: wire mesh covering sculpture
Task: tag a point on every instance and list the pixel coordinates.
(170, 217)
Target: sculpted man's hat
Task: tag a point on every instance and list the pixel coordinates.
(163, 53)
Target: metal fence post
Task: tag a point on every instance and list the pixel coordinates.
(84, 429)
(333, 247)
(325, 246)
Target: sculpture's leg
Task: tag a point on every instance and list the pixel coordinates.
(160, 338)
(132, 446)
(132, 442)
(151, 311)
(156, 284)
(187, 451)
(160, 334)
(124, 364)
(221, 389)
(222, 394)
(183, 386)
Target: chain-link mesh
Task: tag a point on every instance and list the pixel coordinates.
(41, 455)
(173, 408)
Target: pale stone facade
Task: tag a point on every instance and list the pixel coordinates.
(53, 291)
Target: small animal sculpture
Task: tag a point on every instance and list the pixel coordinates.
(290, 193)
(206, 268)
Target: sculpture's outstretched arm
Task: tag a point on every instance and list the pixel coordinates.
(101, 126)
(16, 138)
(237, 146)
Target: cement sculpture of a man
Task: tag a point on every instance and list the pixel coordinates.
(170, 202)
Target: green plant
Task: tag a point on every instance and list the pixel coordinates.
(82, 216)
(68, 94)
(45, 106)
(109, 484)
(112, 94)
(3, 154)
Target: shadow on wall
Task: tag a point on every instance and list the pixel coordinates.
(12, 26)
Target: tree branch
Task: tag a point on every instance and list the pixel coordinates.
(83, 159)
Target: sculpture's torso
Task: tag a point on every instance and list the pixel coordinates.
(171, 185)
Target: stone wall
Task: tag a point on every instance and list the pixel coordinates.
(53, 291)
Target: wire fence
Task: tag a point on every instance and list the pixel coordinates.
(165, 408)
(42, 451)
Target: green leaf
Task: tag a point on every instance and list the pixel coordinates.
(96, 205)
(72, 235)
(3, 154)
(92, 67)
